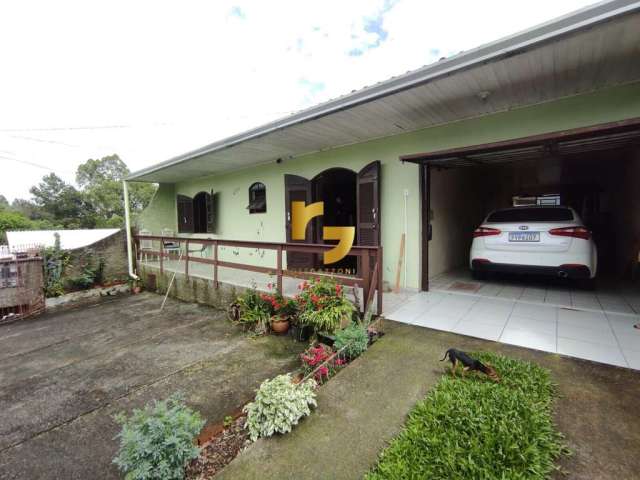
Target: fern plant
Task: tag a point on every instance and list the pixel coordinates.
(156, 442)
(278, 406)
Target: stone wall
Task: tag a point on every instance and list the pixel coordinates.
(112, 251)
(190, 289)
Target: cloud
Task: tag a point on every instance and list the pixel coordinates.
(175, 77)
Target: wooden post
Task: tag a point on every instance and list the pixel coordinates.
(366, 280)
(400, 259)
(279, 269)
(215, 263)
(186, 259)
(380, 279)
(161, 255)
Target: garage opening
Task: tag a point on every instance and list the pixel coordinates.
(594, 171)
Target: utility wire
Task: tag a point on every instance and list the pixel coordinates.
(33, 164)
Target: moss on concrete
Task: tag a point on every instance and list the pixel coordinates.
(365, 406)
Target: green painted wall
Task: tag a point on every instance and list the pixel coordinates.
(235, 222)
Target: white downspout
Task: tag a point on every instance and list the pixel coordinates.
(127, 226)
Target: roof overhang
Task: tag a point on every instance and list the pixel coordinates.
(565, 55)
(625, 133)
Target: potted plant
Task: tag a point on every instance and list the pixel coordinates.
(135, 286)
(323, 306)
(283, 310)
(252, 311)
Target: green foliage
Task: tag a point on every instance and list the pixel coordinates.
(228, 420)
(473, 428)
(322, 305)
(327, 319)
(97, 204)
(157, 442)
(254, 310)
(12, 221)
(55, 261)
(278, 406)
(354, 339)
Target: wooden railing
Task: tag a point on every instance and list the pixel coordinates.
(369, 275)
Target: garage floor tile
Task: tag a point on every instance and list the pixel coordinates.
(474, 328)
(529, 338)
(633, 358)
(594, 325)
(591, 351)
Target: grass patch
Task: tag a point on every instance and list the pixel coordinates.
(473, 428)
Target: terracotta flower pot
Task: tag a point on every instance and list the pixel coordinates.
(137, 290)
(279, 325)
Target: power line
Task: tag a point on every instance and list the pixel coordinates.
(37, 165)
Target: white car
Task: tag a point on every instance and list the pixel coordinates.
(544, 240)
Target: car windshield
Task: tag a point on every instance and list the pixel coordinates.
(539, 214)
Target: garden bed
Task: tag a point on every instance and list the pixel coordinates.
(219, 450)
(474, 428)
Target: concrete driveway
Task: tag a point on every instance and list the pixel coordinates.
(63, 376)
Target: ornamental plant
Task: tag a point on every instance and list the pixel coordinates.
(322, 305)
(354, 339)
(278, 406)
(157, 441)
(254, 310)
(280, 306)
(317, 357)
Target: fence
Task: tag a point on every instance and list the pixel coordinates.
(370, 260)
(21, 287)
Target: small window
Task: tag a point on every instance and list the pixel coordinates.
(257, 198)
(531, 214)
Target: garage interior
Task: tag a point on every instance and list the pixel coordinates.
(593, 170)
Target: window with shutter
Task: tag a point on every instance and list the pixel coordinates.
(257, 198)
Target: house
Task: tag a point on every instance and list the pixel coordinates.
(421, 158)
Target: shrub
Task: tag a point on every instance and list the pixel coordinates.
(354, 339)
(314, 357)
(322, 305)
(503, 431)
(254, 310)
(157, 441)
(278, 406)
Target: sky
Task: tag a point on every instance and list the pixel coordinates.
(149, 80)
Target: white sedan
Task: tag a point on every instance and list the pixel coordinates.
(546, 240)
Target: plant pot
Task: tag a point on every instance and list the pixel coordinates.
(326, 338)
(136, 290)
(301, 333)
(279, 326)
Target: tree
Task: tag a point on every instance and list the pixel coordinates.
(12, 221)
(101, 181)
(4, 204)
(61, 202)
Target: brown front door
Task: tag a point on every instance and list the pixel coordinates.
(298, 189)
(368, 228)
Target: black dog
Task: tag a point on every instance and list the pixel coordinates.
(469, 363)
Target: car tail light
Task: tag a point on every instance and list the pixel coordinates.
(575, 232)
(485, 232)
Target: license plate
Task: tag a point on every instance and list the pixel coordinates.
(524, 236)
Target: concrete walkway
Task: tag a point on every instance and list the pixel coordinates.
(64, 375)
(365, 406)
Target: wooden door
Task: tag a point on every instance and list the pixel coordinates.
(368, 191)
(298, 189)
(185, 214)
